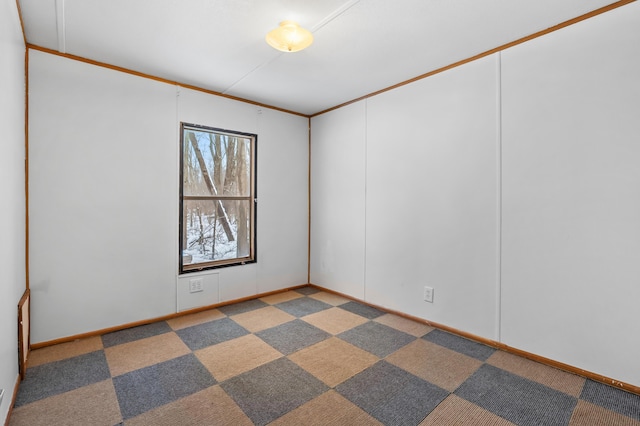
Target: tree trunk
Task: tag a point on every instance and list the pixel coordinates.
(222, 214)
(243, 249)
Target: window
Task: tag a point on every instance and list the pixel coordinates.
(217, 198)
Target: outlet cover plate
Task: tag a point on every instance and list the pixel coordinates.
(195, 285)
(428, 294)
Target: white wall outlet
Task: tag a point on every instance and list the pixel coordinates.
(195, 285)
(428, 294)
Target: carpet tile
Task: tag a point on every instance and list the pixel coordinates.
(263, 318)
(330, 408)
(242, 307)
(562, 381)
(334, 320)
(441, 366)
(211, 333)
(195, 319)
(517, 399)
(65, 350)
(362, 310)
(211, 406)
(135, 333)
(376, 338)
(159, 384)
(330, 298)
(272, 390)
(457, 411)
(93, 404)
(303, 306)
(460, 344)
(230, 358)
(61, 376)
(274, 299)
(333, 360)
(588, 414)
(612, 399)
(140, 353)
(302, 357)
(403, 324)
(307, 291)
(392, 395)
(292, 336)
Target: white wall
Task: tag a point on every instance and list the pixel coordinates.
(338, 155)
(431, 198)
(104, 171)
(404, 189)
(12, 213)
(510, 185)
(571, 196)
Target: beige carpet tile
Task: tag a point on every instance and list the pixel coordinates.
(330, 298)
(144, 352)
(64, 351)
(233, 357)
(195, 319)
(333, 360)
(262, 318)
(95, 404)
(587, 414)
(281, 297)
(330, 408)
(404, 324)
(455, 411)
(334, 320)
(211, 406)
(559, 380)
(434, 363)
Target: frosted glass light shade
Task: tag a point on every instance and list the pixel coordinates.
(289, 37)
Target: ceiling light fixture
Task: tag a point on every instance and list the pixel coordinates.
(289, 37)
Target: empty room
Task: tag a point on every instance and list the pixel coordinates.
(419, 212)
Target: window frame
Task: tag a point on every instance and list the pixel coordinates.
(252, 198)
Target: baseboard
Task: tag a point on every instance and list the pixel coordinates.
(157, 319)
(498, 345)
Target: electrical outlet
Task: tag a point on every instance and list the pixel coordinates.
(428, 294)
(195, 285)
(1, 395)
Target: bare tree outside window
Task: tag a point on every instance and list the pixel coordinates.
(217, 198)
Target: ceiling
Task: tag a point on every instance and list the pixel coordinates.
(360, 47)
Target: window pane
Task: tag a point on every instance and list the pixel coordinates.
(215, 230)
(216, 164)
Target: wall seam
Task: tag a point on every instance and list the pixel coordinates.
(498, 318)
(366, 140)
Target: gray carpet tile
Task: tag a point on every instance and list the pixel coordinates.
(271, 390)
(135, 333)
(517, 399)
(460, 344)
(242, 307)
(156, 385)
(376, 338)
(211, 333)
(292, 336)
(362, 310)
(611, 398)
(303, 306)
(307, 290)
(62, 376)
(392, 395)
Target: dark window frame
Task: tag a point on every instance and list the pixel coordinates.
(252, 198)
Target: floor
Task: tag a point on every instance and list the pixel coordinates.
(303, 357)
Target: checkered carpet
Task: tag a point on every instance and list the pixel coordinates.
(302, 357)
